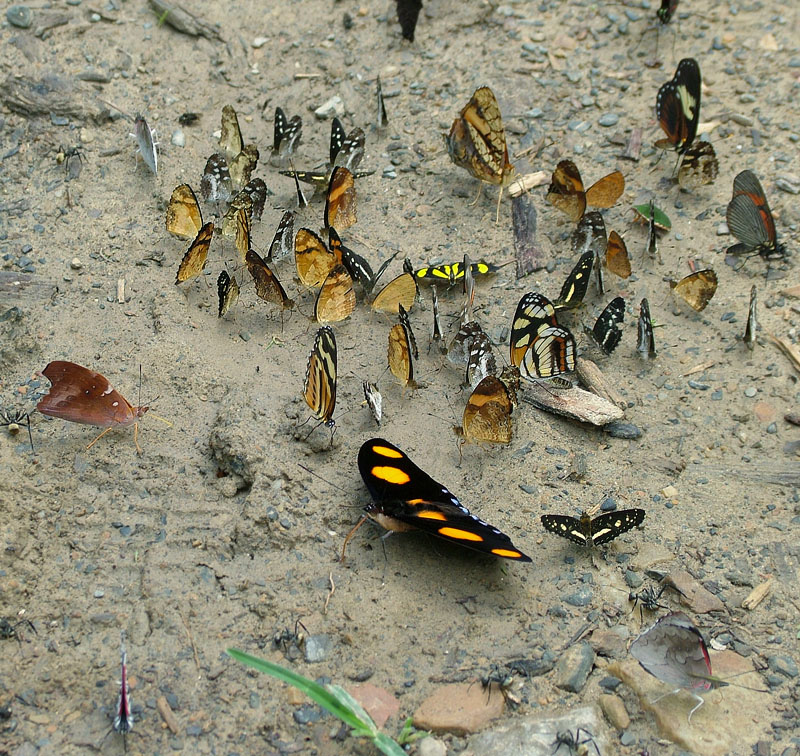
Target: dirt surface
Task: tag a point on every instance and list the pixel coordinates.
(216, 536)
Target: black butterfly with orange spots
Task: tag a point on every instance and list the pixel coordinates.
(407, 498)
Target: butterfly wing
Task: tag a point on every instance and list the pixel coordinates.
(314, 261)
(399, 355)
(609, 525)
(606, 331)
(242, 166)
(405, 496)
(534, 312)
(566, 190)
(227, 292)
(195, 258)
(697, 288)
(319, 389)
(606, 191)
(230, 138)
(678, 106)
(215, 186)
(551, 353)
(645, 342)
(282, 242)
(268, 287)
(80, 395)
(407, 15)
(617, 260)
(752, 320)
(574, 288)
(699, 166)
(566, 527)
(184, 218)
(400, 291)
(340, 203)
(352, 150)
(487, 416)
(336, 299)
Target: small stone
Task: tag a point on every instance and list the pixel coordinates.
(259, 42)
(618, 429)
(723, 230)
(99, 593)
(627, 738)
(178, 138)
(783, 665)
(750, 392)
(76, 263)
(307, 714)
(581, 597)
(20, 16)
(693, 595)
(764, 412)
(610, 642)
(669, 492)
(772, 428)
(333, 107)
(608, 119)
(460, 708)
(573, 667)
(614, 709)
(317, 648)
(431, 747)
(380, 704)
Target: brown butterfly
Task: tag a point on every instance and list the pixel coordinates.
(242, 160)
(184, 218)
(696, 289)
(403, 351)
(319, 389)
(617, 260)
(699, 166)
(336, 299)
(487, 416)
(80, 395)
(268, 287)
(340, 203)
(313, 258)
(228, 292)
(195, 258)
(399, 292)
(567, 193)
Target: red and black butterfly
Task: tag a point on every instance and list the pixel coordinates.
(678, 107)
(750, 219)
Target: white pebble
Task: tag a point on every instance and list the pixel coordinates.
(259, 42)
(76, 263)
(178, 138)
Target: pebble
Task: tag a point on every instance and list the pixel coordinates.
(20, 16)
(317, 648)
(614, 709)
(783, 665)
(772, 428)
(723, 230)
(459, 708)
(609, 505)
(431, 747)
(608, 119)
(750, 392)
(627, 738)
(573, 667)
(306, 714)
(618, 429)
(581, 597)
(333, 107)
(76, 263)
(259, 42)
(178, 138)
(791, 187)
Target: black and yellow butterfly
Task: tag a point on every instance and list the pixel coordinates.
(540, 348)
(593, 532)
(404, 497)
(319, 389)
(452, 273)
(228, 292)
(678, 107)
(574, 288)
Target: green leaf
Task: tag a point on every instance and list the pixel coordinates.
(661, 218)
(387, 745)
(346, 700)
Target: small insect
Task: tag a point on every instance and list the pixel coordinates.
(8, 629)
(123, 717)
(65, 155)
(647, 598)
(497, 675)
(188, 119)
(5, 712)
(13, 419)
(577, 745)
(288, 640)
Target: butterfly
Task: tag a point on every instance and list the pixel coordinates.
(286, 134)
(593, 532)
(184, 217)
(696, 289)
(566, 191)
(241, 228)
(381, 121)
(268, 287)
(667, 10)
(404, 497)
(407, 15)
(750, 219)
(649, 213)
(487, 415)
(645, 341)
(123, 717)
(673, 650)
(678, 107)
(216, 185)
(480, 359)
(403, 351)
(373, 399)
(606, 331)
(590, 236)
(437, 335)
(336, 299)
(313, 259)
(652, 233)
(227, 292)
(194, 260)
(242, 159)
(283, 240)
(460, 347)
(250, 200)
(319, 389)
(617, 259)
(454, 272)
(477, 141)
(399, 292)
(752, 322)
(256, 191)
(147, 144)
(340, 202)
(574, 288)
(699, 166)
(540, 348)
(80, 395)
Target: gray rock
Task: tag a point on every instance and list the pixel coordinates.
(581, 597)
(608, 119)
(20, 16)
(317, 648)
(618, 429)
(574, 667)
(783, 665)
(333, 107)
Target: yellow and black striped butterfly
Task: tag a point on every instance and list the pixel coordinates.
(567, 193)
(540, 348)
(184, 218)
(487, 416)
(268, 287)
(404, 497)
(593, 532)
(319, 389)
(228, 291)
(195, 258)
(696, 289)
(574, 288)
(452, 273)
(336, 299)
(402, 351)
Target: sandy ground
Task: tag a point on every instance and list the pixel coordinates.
(216, 536)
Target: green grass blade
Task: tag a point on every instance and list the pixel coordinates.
(387, 745)
(314, 691)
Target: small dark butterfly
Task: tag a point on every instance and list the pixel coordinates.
(606, 331)
(215, 186)
(752, 321)
(750, 219)
(407, 15)
(593, 532)
(645, 342)
(228, 291)
(678, 107)
(574, 288)
(286, 134)
(381, 121)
